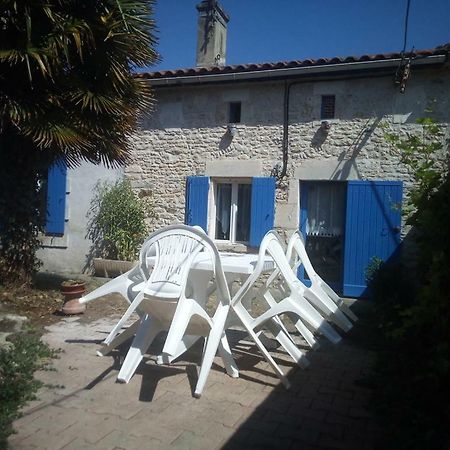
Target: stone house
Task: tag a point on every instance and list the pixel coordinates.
(242, 149)
(288, 145)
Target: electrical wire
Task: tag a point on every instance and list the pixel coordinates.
(405, 36)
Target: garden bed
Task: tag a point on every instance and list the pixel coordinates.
(42, 303)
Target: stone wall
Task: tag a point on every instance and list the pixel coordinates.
(188, 133)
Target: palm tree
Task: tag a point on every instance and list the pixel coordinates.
(67, 92)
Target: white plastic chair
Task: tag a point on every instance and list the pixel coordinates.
(170, 304)
(320, 294)
(292, 304)
(128, 285)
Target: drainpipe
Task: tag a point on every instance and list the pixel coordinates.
(285, 144)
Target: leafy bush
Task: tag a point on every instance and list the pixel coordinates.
(19, 231)
(18, 362)
(118, 221)
(412, 394)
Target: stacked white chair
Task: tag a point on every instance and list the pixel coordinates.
(167, 302)
(128, 285)
(293, 303)
(320, 294)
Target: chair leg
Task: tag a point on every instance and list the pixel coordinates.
(269, 358)
(301, 327)
(184, 345)
(284, 339)
(340, 320)
(308, 336)
(328, 307)
(263, 349)
(300, 306)
(147, 331)
(124, 318)
(348, 311)
(211, 345)
(338, 300)
(126, 334)
(180, 321)
(227, 357)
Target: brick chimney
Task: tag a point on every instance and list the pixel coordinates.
(211, 34)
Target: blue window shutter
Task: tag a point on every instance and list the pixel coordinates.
(372, 229)
(56, 198)
(196, 210)
(262, 209)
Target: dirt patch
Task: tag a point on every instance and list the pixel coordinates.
(42, 303)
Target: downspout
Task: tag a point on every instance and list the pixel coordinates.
(285, 143)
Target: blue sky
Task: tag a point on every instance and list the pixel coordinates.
(282, 30)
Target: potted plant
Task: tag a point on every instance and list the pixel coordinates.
(72, 290)
(118, 226)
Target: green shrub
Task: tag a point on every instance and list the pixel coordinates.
(18, 363)
(411, 373)
(118, 221)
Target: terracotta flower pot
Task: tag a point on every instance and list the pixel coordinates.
(72, 291)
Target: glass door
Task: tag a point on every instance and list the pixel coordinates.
(322, 221)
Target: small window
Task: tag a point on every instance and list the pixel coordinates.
(232, 212)
(234, 112)
(327, 107)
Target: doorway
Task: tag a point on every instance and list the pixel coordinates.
(322, 223)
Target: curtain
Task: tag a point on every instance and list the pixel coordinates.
(326, 209)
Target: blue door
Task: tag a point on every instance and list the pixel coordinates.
(372, 229)
(346, 225)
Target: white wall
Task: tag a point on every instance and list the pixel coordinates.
(69, 253)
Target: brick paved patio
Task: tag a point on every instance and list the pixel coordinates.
(324, 409)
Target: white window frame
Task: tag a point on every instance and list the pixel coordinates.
(235, 182)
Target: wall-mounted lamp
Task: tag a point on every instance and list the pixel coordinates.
(232, 129)
(325, 125)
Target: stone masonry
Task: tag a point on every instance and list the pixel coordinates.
(188, 132)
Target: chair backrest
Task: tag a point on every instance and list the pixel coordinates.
(274, 248)
(167, 256)
(271, 245)
(297, 255)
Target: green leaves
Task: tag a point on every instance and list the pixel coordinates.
(18, 386)
(424, 154)
(413, 309)
(68, 66)
(118, 221)
(67, 90)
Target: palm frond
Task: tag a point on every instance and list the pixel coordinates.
(66, 81)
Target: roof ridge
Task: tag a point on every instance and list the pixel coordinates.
(248, 67)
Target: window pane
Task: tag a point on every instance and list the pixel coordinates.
(327, 107)
(235, 112)
(223, 210)
(243, 213)
(326, 208)
(325, 228)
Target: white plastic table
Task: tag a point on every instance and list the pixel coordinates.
(235, 266)
(232, 263)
